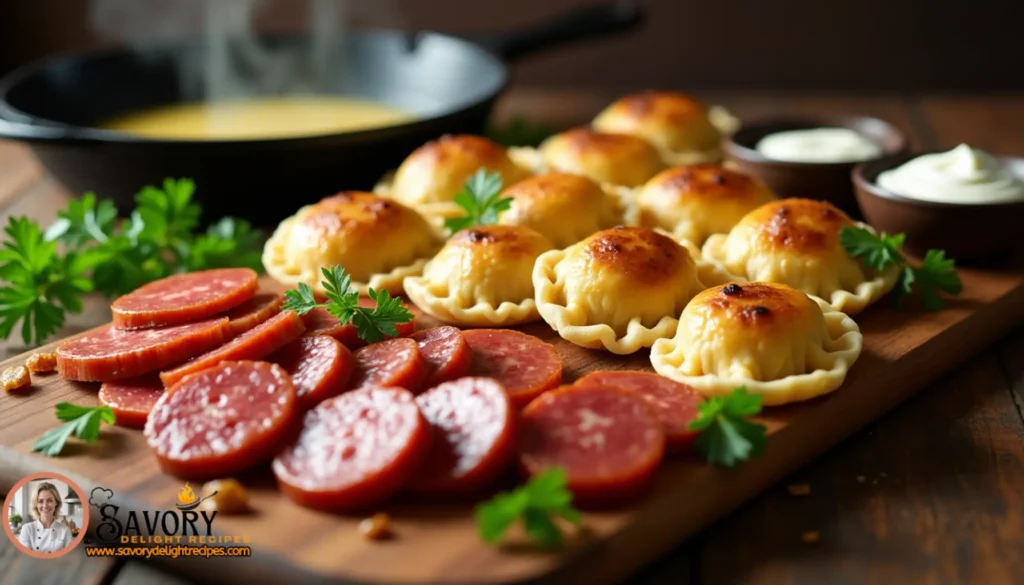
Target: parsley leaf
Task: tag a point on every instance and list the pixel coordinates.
(936, 273)
(372, 324)
(42, 284)
(727, 437)
(83, 220)
(481, 199)
(80, 421)
(544, 497)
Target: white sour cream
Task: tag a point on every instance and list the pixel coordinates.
(819, 145)
(961, 175)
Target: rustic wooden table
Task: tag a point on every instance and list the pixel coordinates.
(931, 493)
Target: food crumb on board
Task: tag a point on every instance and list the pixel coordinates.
(882, 474)
(376, 527)
(42, 363)
(861, 479)
(226, 496)
(810, 537)
(15, 378)
(799, 489)
(874, 482)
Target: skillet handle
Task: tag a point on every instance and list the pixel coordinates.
(592, 21)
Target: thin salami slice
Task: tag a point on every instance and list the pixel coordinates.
(608, 441)
(222, 420)
(254, 344)
(184, 298)
(527, 366)
(355, 450)
(446, 352)
(674, 403)
(251, 313)
(395, 362)
(474, 426)
(320, 368)
(108, 353)
(320, 322)
(132, 400)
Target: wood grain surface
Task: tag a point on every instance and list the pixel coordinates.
(904, 350)
(916, 516)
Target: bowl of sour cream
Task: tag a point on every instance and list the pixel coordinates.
(964, 200)
(813, 158)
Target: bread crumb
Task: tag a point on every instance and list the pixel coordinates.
(376, 527)
(810, 537)
(42, 363)
(799, 489)
(15, 378)
(861, 479)
(226, 496)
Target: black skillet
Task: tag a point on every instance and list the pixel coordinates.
(452, 83)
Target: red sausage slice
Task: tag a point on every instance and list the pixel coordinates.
(608, 441)
(132, 400)
(395, 362)
(251, 313)
(355, 450)
(320, 368)
(446, 352)
(254, 344)
(108, 353)
(527, 366)
(320, 322)
(474, 435)
(222, 420)
(184, 298)
(674, 403)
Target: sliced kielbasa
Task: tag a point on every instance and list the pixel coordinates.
(474, 426)
(355, 450)
(608, 441)
(674, 403)
(395, 362)
(254, 344)
(251, 313)
(132, 400)
(526, 366)
(446, 352)
(320, 368)
(107, 353)
(222, 420)
(184, 298)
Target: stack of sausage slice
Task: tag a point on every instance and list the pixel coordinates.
(222, 381)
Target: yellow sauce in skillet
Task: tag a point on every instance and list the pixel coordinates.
(285, 117)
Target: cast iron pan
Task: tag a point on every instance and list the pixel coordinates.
(452, 83)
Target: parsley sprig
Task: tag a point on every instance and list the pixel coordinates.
(726, 437)
(80, 421)
(372, 324)
(43, 275)
(935, 275)
(543, 498)
(481, 199)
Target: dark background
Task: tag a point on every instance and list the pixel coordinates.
(869, 45)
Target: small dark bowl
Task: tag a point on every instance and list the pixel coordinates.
(968, 232)
(825, 181)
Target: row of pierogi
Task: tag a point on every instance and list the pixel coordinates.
(726, 284)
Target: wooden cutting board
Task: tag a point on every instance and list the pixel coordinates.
(903, 351)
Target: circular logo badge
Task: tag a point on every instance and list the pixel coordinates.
(46, 515)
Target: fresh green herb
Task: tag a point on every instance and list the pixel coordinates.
(544, 497)
(42, 284)
(80, 421)
(518, 131)
(726, 436)
(372, 324)
(481, 199)
(935, 274)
